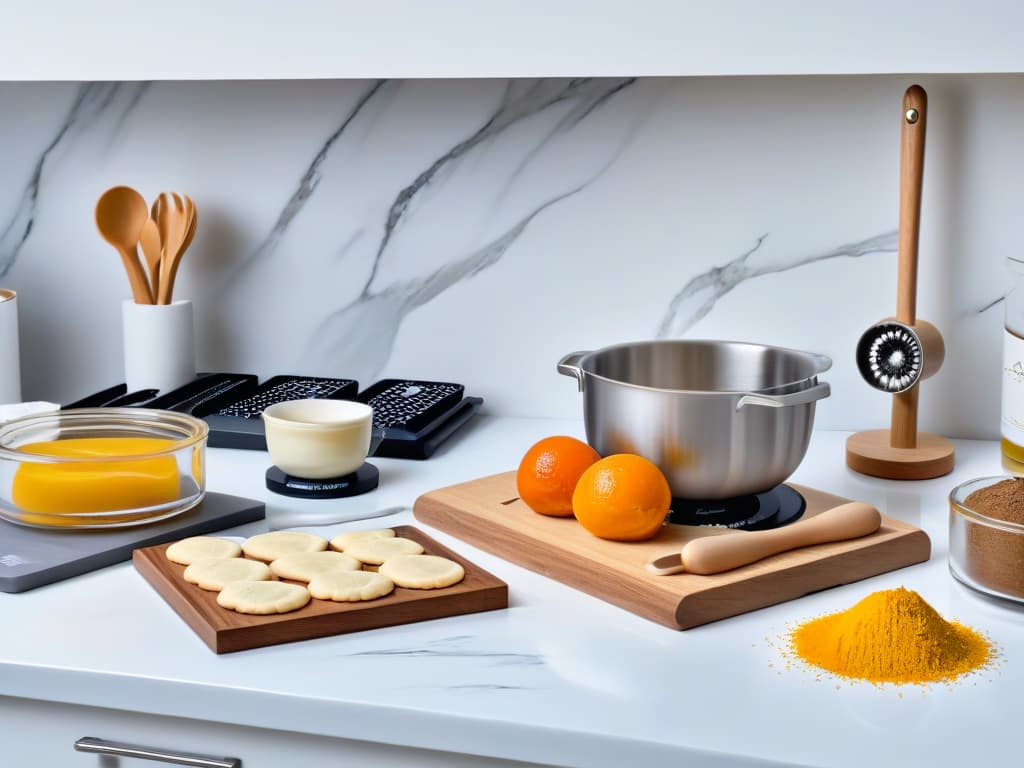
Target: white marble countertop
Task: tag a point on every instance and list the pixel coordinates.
(559, 677)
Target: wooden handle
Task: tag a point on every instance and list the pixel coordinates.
(914, 120)
(903, 424)
(903, 431)
(149, 239)
(172, 270)
(714, 554)
(136, 276)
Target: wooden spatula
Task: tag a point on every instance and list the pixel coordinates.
(170, 270)
(150, 242)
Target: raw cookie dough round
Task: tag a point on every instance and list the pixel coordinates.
(350, 586)
(422, 571)
(342, 540)
(263, 597)
(376, 551)
(270, 546)
(303, 566)
(214, 573)
(187, 551)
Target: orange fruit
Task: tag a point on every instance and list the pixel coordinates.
(623, 497)
(548, 473)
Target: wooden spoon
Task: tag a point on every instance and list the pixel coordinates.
(186, 211)
(150, 242)
(157, 214)
(120, 216)
(193, 216)
(715, 554)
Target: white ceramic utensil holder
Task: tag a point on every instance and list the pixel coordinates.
(159, 345)
(10, 365)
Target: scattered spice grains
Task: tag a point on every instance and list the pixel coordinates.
(891, 636)
(992, 557)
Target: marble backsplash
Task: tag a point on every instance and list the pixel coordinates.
(478, 230)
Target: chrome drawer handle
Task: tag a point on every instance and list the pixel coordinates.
(103, 747)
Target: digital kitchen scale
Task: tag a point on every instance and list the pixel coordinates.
(757, 512)
(32, 557)
(363, 480)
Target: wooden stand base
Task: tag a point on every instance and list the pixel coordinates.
(871, 453)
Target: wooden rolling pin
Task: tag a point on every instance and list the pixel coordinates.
(715, 554)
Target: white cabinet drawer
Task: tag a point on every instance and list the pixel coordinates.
(40, 733)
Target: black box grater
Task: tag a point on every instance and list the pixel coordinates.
(117, 396)
(103, 398)
(195, 396)
(406, 408)
(280, 389)
(416, 416)
(235, 421)
(185, 399)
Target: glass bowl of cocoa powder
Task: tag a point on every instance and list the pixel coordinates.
(986, 535)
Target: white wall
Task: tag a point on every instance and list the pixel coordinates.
(530, 218)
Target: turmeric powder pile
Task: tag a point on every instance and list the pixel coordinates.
(892, 636)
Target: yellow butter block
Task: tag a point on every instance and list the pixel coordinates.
(96, 486)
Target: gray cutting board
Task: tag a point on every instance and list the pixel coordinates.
(32, 557)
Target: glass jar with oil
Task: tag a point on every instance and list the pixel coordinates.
(1011, 428)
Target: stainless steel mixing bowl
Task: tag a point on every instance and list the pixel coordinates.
(720, 418)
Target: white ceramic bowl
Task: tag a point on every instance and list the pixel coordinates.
(318, 438)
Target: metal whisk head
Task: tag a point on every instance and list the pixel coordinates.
(889, 357)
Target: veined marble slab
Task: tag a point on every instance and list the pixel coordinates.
(478, 230)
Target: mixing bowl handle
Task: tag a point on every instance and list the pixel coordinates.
(569, 366)
(804, 396)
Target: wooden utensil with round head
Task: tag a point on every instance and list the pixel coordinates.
(149, 239)
(157, 214)
(181, 217)
(716, 554)
(121, 215)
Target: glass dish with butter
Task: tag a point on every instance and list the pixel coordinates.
(101, 467)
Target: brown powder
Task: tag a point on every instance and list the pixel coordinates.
(1003, 500)
(995, 558)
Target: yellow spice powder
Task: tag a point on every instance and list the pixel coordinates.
(891, 636)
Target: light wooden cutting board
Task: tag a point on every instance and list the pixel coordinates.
(487, 514)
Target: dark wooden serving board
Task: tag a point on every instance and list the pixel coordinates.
(487, 514)
(225, 631)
